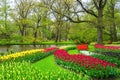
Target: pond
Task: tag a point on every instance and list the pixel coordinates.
(8, 49)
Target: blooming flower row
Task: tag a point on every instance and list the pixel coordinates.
(20, 54)
(83, 60)
(102, 48)
(35, 54)
(107, 47)
(82, 47)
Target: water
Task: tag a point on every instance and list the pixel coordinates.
(7, 49)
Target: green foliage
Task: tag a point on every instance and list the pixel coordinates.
(15, 38)
(28, 39)
(23, 70)
(83, 33)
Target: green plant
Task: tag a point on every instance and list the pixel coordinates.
(24, 71)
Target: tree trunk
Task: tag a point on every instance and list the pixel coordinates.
(67, 30)
(100, 27)
(114, 31)
(57, 35)
(100, 37)
(111, 34)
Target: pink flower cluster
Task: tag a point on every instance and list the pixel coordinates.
(107, 47)
(82, 60)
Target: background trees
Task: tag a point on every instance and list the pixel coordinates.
(56, 20)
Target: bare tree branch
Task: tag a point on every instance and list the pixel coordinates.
(104, 3)
(87, 10)
(95, 3)
(71, 19)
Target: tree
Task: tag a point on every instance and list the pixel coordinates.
(23, 10)
(4, 21)
(112, 11)
(58, 19)
(95, 10)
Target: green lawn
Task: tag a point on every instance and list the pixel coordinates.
(75, 51)
(48, 64)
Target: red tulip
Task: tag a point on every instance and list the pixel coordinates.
(83, 60)
(82, 47)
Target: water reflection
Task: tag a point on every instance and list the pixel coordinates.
(17, 48)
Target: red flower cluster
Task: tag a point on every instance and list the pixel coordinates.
(49, 49)
(83, 60)
(107, 47)
(82, 47)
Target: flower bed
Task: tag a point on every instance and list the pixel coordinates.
(82, 47)
(102, 48)
(24, 71)
(107, 58)
(93, 67)
(113, 51)
(29, 55)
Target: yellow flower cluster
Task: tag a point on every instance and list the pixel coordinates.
(20, 54)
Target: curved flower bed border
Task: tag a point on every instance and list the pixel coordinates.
(93, 67)
(29, 55)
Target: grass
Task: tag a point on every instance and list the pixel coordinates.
(91, 48)
(75, 51)
(37, 43)
(47, 64)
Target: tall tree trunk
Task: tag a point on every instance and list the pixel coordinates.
(114, 31)
(35, 36)
(67, 30)
(111, 33)
(60, 31)
(36, 31)
(99, 37)
(57, 35)
(100, 27)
